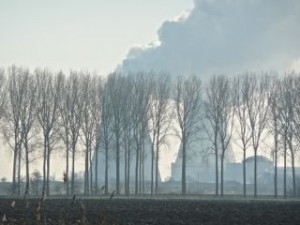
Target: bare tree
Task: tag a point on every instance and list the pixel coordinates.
(275, 126)
(28, 116)
(188, 110)
(226, 121)
(48, 112)
(64, 118)
(3, 93)
(257, 104)
(160, 117)
(88, 125)
(212, 126)
(140, 118)
(242, 125)
(115, 83)
(71, 118)
(219, 99)
(286, 117)
(296, 114)
(13, 118)
(75, 118)
(105, 134)
(127, 127)
(91, 121)
(3, 97)
(292, 141)
(97, 115)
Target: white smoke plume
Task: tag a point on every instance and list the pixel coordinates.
(224, 36)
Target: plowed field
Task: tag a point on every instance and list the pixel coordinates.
(149, 211)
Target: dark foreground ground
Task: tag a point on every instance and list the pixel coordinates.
(150, 211)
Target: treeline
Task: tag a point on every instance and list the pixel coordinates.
(42, 112)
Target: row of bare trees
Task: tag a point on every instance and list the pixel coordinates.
(43, 112)
(258, 114)
(261, 114)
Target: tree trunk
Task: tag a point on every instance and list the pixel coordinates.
(293, 174)
(244, 174)
(117, 165)
(143, 170)
(67, 163)
(14, 170)
(156, 166)
(137, 170)
(19, 171)
(275, 168)
(293, 165)
(125, 166)
(290, 141)
(216, 164)
(91, 174)
(27, 166)
(255, 172)
(222, 173)
(140, 170)
(86, 172)
(284, 166)
(183, 173)
(106, 169)
(48, 173)
(275, 157)
(48, 168)
(73, 170)
(44, 164)
(96, 169)
(152, 166)
(143, 177)
(128, 171)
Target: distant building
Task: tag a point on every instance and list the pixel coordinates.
(265, 170)
(200, 164)
(200, 168)
(145, 168)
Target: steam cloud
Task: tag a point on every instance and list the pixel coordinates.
(225, 36)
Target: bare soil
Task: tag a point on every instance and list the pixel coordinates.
(150, 211)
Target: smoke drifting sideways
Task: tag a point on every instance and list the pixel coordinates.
(224, 37)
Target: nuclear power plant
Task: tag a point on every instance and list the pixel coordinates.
(200, 171)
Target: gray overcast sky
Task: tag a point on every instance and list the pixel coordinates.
(78, 34)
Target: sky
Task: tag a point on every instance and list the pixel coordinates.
(78, 34)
